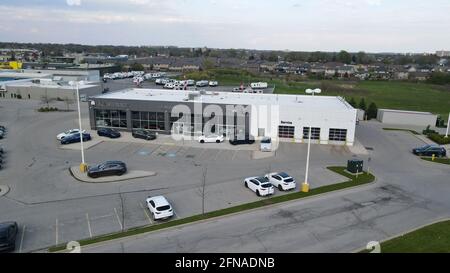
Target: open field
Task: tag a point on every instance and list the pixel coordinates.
(386, 94)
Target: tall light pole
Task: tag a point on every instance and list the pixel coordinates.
(305, 185)
(83, 166)
(448, 126)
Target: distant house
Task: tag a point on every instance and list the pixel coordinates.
(400, 73)
(419, 76)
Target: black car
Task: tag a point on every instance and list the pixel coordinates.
(144, 134)
(8, 234)
(75, 138)
(108, 168)
(2, 134)
(242, 140)
(108, 132)
(430, 150)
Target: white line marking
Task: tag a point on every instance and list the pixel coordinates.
(146, 214)
(118, 219)
(234, 155)
(203, 151)
(21, 238)
(89, 225)
(56, 231)
(218, 154)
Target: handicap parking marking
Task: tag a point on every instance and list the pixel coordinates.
(89, 225)
(118, 219)
(146, 214)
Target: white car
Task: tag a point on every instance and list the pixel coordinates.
(266, 144)
(211, 139)
(159, 207)
(68, 133)
(260, 185)
(169, 86)
(283, 181)
(213, 83)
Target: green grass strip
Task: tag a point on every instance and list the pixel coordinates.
(354, 181)
(404, 130)
(434, 238)
(437, 160)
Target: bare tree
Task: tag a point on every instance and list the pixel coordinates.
(68, 101)
(45, 99)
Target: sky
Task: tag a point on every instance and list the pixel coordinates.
(296, 25)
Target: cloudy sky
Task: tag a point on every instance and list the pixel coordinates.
(328, 25)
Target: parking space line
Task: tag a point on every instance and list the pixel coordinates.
(155, 150)
(146, 214)
(217, 155)
(234, 155)
(118, 219)
(203, 151)
(21, 238)
(56, 232)
(89, 225)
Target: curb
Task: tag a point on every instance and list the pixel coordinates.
(150, 174)
(4, 189)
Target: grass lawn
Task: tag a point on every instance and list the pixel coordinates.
(430, 239)
(352, 182)
(386, 94)
(438, 160)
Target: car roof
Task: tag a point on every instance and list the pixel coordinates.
(5, 225)
(113, 162)
(159, 200)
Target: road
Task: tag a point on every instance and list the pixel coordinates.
(408, 193)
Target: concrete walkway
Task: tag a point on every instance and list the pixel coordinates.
(133, 174)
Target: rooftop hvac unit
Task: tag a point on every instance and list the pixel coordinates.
(192, 96)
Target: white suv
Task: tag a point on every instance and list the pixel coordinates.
(283, 181)
(260, 185)
(211, 139)
(159, 207)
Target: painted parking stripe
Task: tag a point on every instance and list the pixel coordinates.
(89, 225)
(118, 219)
(146, 214)
(56, 231)
(21, 238)
(219, 152)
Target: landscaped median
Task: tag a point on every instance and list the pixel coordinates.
(403, 130)
(434, 238)
(353, 182)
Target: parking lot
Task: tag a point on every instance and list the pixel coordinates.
(53, 207)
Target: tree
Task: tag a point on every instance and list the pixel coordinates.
(352, 102)
(362, 104)
(137, 67)
(344, 57)
(46, 99)
(68, 101)
(372, 111)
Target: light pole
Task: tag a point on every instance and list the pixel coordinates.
(83, 166)
(448, 126)
(305, 185)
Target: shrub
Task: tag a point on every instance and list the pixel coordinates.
(439, 139)
(47, 109)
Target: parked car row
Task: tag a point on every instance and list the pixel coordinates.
(265, 185)
(2, 154)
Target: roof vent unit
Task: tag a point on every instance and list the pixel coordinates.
(193, 96)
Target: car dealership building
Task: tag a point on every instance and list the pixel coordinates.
(285, 117)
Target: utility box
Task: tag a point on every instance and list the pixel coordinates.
(355, 166)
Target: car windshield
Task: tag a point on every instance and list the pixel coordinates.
(263, 179)
(163, 208)
(266, 141)
(284, 175)
(266, 185)
(425, 147)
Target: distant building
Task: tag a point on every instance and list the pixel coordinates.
(443, 53)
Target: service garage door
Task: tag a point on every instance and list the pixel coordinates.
(286, 131)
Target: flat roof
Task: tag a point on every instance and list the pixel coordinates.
(406, 112)
(31, 84)
(213, 97)
(9, 74)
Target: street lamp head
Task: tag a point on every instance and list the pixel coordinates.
(311, 91)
